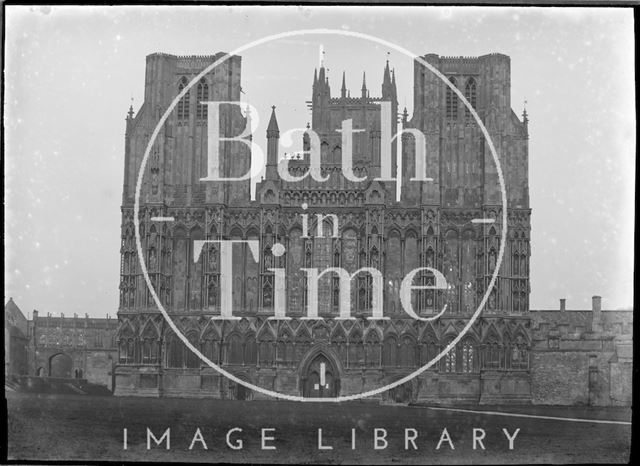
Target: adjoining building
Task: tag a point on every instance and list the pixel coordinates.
(582, 356)
(16, 341)
(61, 347)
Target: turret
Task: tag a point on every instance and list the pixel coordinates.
(273, 136)
(386, 83)
(320, 99)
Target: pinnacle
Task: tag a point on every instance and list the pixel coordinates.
(273, 122)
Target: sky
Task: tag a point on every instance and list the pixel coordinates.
(71, 74)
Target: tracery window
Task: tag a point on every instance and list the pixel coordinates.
(520, 354)
(127, 346)
(210, 347)
(127, 351)
(149, 345)
(284, 350)
(235, 349)
(335, 279)
(356, 350)
(203, 96)
(470, 95)
(407, 357)
(265, 349)
(468, 354)
(492, 355)
(175, 351)
(449, 364)
(451, 103)
(183, 103)
(338, 342)
(389, 351)
(372, 353)
(250, 349)
(192, 360)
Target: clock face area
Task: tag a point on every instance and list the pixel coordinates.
(268, 254)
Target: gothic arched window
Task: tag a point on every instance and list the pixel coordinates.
(210, 347)
(250, 349)
(203, 96)
(149, 345)
(175, 352)
(470, 95)
(519, 354)
(450, 359)
(356, 350)
(183, 104)
(372, 352)
(191, 359)
(468, 354)
(492, 355)
(266, 349)
(407, 352)
(284, 350)
(451, 104)
(389, 352)
(235, 350)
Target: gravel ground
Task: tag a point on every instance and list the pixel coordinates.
(67, 427)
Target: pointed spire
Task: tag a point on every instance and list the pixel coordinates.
(364, 84)
(273, 134)
(315, 76)
(393, 77)
(387, 76)
(525, 115)
(272, 129)
(343, 92)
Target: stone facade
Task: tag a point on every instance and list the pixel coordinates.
(59, 347)
(74, 347)
(582, 357)
(16, 338)
(431, 226)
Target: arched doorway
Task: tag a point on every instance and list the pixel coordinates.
(60, 366)
(320, 379)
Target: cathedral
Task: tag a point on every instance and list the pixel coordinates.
(351, 225)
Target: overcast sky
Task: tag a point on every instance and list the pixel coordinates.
(71, 73)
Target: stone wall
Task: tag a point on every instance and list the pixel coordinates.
(89, 344)
(582, 357)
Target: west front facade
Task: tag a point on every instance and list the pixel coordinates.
(452, 223)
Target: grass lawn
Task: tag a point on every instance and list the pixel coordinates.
(67, 427)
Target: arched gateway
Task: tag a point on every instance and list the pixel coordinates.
(320, 375)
